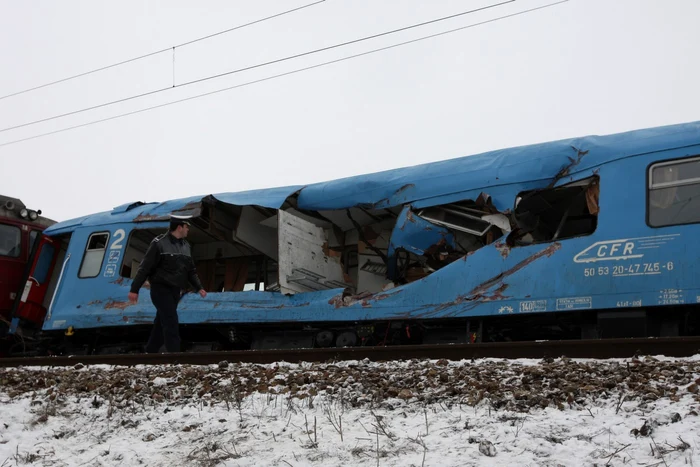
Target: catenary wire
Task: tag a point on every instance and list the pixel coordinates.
(299, 70)
(172, 48)
(251, 67)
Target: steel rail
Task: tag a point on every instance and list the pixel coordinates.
(599, 348)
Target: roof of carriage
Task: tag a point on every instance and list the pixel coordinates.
(409, 184)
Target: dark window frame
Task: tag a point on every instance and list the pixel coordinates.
(19, 250)
(33, 243)
(129, 237)
(593, 178)
(649, 186)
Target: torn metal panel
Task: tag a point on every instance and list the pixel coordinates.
(415, 234)
(567, 169)
(272, 198)
(128, 207)
(303, 263)
(491, 289)
(593, 198)
(192, 209)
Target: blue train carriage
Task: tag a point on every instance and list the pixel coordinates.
(586, 237)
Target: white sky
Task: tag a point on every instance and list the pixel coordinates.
(582, 67)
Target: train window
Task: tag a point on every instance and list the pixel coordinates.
(139, 241)
(43, 264)
(94, 255)
(10, 241)
(557, 213)
(32, 240)
(674, 193)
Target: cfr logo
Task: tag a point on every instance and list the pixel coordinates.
(621, 249)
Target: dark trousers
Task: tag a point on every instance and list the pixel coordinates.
(166, 325)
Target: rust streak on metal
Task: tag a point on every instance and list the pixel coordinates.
(409, 218)
(150, 217)
(549, 251)
(144, 217)
(503, 248)
(386, 201)
(404, 188)
(479, 293)
(277, 307)
(337, 301)
(114, 304)
(498, 293)
(364, 298)
(566, 170)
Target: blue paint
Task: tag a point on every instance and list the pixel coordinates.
(568, 275)
(415, 234)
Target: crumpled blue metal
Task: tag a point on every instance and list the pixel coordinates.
(419, 184)
(415, 234)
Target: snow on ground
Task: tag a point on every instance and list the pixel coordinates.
(637, 412)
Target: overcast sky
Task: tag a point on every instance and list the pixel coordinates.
(578, 68)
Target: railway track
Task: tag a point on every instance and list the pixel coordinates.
(599, 348)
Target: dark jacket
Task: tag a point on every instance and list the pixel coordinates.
(168, 261)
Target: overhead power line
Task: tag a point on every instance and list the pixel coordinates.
(299, 70)
(172, 48)
(251, 67)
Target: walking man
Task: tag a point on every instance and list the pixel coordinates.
(168, 266)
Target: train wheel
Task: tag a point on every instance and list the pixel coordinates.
(324, 338)
(346, 339)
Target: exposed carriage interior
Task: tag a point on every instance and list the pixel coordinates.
(364, 251)
(552, 214)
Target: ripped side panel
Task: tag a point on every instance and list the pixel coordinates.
(433, 237)
(305, 262)
(415, 235)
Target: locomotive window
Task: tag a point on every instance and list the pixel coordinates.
(43, 264)
(32, 239)
(674, 193)
(10, 241)
(94, 255)
(557, 213)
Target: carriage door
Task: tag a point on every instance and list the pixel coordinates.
(30, 306)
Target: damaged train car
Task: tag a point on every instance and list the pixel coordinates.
(586, 237)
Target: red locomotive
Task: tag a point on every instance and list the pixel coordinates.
(20, 228)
